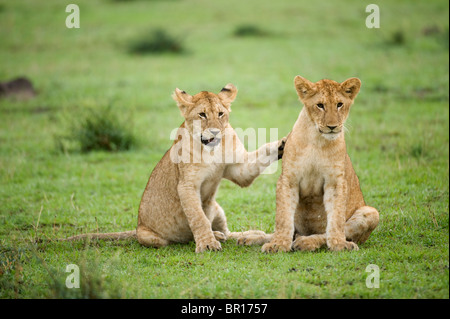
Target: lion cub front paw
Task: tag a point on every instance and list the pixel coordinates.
(212, 245)
(307, 243)
(341, 245)
(281, 144)
(277, 246)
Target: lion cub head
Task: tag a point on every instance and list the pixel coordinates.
(209, 110)
(328, 103)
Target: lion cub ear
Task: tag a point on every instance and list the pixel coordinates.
(183, 100)
(351, 87)
(227, 95)
(305, 88)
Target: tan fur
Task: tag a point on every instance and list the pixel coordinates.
(178, 204)
(319, 200)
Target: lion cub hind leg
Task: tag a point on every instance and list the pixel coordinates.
(220, 236)
(309, 243)
(359, 227)
(251, 237)
(219, 222)
(148, 238)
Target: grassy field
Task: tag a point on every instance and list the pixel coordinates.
(398, 140)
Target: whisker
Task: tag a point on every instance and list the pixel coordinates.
(347, 127)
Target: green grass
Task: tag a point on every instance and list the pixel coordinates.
(398, 140)
(156, 42)
(100, 129)
(249, 31)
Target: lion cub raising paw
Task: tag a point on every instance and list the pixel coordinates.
(179, 202)
(319, 200)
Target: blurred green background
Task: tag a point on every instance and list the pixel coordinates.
(398, 139)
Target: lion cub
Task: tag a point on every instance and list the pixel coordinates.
(319, 200)
(179, 202)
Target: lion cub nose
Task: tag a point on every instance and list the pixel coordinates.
(214, 131)
(331, 127)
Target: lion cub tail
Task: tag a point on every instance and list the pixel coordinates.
(104, 236)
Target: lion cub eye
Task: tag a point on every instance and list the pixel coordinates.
(202, 115)
(340, 104)
(220, 114)
(320, 106)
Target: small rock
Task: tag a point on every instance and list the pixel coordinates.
(20, 87)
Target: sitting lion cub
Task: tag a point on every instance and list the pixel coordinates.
(178, 204)
(319, 200)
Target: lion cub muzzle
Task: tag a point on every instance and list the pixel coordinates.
(330, 132)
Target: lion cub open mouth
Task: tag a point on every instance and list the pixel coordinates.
(212, 142)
